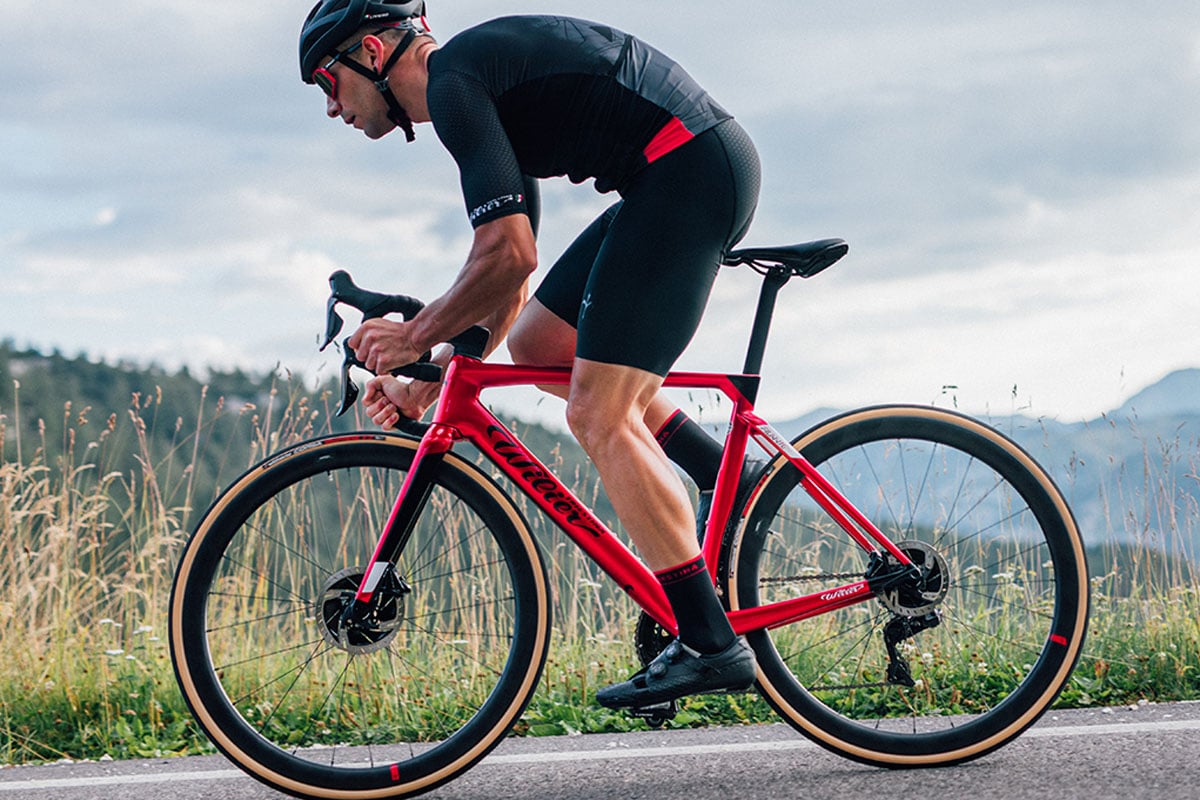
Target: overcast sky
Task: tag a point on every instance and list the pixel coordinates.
(1019, 184)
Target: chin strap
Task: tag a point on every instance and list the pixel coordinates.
(396, 112)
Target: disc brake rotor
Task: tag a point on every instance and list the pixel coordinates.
(381, 624)
(920, 596)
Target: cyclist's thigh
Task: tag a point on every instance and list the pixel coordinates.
(542, 337)
(561, 291)
(655, 268)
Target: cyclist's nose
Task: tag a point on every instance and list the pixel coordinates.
(332, 107)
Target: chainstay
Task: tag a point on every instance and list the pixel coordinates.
(827, 576)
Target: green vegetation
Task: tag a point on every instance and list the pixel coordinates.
(98, 492)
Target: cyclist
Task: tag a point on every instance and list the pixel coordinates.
(522, 98)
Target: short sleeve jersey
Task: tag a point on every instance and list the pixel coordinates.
(544, 96)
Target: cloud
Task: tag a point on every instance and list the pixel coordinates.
(1007, 177)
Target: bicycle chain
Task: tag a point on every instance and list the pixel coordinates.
(840, 687)
(828, 576)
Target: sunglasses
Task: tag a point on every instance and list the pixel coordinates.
(326, 79)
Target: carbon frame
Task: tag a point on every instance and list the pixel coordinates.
(461, 415)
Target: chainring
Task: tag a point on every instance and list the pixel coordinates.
(650, 638)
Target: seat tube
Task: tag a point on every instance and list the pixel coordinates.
(728, 480)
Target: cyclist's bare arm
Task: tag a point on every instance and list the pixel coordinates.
(502, 257)
(490, 290)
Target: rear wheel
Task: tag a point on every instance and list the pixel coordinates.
(437, 675)
(942, 669)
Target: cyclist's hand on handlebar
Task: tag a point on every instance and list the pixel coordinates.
(383, 345)
(389, 400)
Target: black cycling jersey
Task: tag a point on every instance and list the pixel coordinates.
(546, 96)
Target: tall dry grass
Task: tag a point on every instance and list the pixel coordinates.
(89, 541)
(88, 544)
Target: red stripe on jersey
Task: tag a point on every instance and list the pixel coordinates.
(672, 135)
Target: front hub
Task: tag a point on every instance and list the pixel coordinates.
(356, 632)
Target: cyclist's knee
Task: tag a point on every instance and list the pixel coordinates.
(607, 403)
(592, 424)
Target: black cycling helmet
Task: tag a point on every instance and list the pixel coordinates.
(332, 22)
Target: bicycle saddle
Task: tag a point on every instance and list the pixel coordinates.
(804, 260)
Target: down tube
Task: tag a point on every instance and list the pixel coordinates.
(574, 518)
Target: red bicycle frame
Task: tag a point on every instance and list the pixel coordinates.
(461, 415)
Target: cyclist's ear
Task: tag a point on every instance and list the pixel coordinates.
(374, 48)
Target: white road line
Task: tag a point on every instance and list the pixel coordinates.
(613, 753)
(119, 780)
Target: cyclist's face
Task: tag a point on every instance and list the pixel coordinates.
(357, 101)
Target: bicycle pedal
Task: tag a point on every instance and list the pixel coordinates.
(655, 714)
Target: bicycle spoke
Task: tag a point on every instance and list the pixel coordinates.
(967, 634)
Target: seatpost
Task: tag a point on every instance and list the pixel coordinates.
(775, 278)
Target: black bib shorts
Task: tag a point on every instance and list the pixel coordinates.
(634, 284)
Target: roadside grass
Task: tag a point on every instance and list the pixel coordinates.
(88, 547)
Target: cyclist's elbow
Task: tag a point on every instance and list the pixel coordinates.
(521, 257)
(508, 245)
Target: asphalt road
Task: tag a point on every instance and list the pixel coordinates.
(1148, 751)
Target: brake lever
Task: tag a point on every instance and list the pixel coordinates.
(374, 305)
(333, 322)
(422, 370)
(349, 387)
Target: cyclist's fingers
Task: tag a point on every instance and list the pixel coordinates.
(378, 406)
(383, 414)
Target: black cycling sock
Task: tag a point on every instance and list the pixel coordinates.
(686, 443)
(703, 625)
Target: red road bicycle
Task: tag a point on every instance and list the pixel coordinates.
(367, 615)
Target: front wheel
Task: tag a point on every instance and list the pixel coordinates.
(954, 665)
(448, 659)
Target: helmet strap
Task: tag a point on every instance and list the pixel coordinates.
(396, 112)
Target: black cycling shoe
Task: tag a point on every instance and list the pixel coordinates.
(679, 671)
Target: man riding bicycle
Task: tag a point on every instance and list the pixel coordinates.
(522, 98)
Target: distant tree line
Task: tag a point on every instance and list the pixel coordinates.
(195, 435)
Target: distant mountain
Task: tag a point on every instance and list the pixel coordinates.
(1176, 394)
(1131, 476)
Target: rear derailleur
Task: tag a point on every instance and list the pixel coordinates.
(913, 595)
(897, 630)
